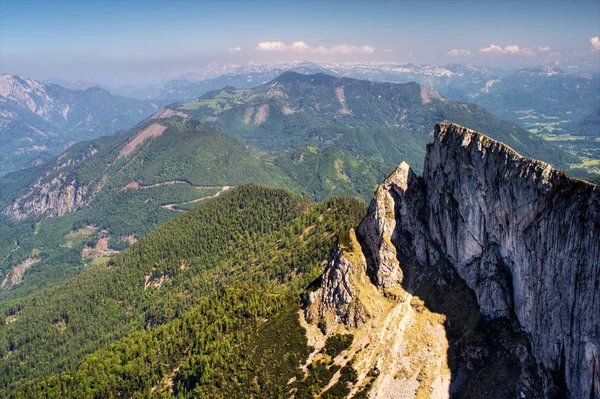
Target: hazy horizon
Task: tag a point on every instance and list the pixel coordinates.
(131, 42)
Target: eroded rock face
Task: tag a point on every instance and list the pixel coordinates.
(524, 237)
(56, 195)
(341, 304)
(55, 198)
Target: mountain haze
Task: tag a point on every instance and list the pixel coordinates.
(314, 135)
(40, 120)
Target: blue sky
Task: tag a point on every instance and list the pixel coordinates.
(142, 40)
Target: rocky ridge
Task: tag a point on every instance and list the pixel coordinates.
(524, 237)
(58, 191)
(39, 120)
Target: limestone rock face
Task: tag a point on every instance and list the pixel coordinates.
(377, 229)
(56, 194)
(55, 198)
(524, 237)
(337, 299)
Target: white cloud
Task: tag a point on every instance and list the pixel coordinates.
(543, 49)
(235, 49)
(458, 52)
(302, 47)
(491, 48)
(271, 46)
(514, 49)
(595, 43)
(387, 50)
(511, 49)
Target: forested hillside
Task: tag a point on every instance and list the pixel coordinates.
(185, 310)
(384, 121)
(109, 192)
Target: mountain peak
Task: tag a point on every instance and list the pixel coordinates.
(293, 77)
(542, 70)
(95, 89)
(484, 216)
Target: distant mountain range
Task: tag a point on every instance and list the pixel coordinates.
(545, 100)
(385, 121)
(315, 135)
(40, 120)
(192, 84)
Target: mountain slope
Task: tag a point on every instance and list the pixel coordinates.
(410, 303)
(100, 195)
(190, 294)
(39, 120)
(174, 151)
(516, 238)
(374, 120)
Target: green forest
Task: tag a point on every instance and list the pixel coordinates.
(200, 159)
(197, 308)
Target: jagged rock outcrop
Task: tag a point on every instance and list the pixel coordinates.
(343, 283)
(524, 237)
(54, 198)
(57, 192)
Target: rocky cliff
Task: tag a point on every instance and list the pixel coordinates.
(525, 239)
(58, 191)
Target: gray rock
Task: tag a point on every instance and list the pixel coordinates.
(56, 194)
(522, 235)
(526, 239)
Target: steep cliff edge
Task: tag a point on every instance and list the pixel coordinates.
(525, 239)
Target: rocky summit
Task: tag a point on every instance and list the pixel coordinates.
(493, 256)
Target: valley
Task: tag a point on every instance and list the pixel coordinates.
(212, 240)
(259, 290)
(299, 199)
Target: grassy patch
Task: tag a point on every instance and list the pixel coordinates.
(191, 106)
(78, 237)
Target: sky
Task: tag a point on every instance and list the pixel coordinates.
(130, 41)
